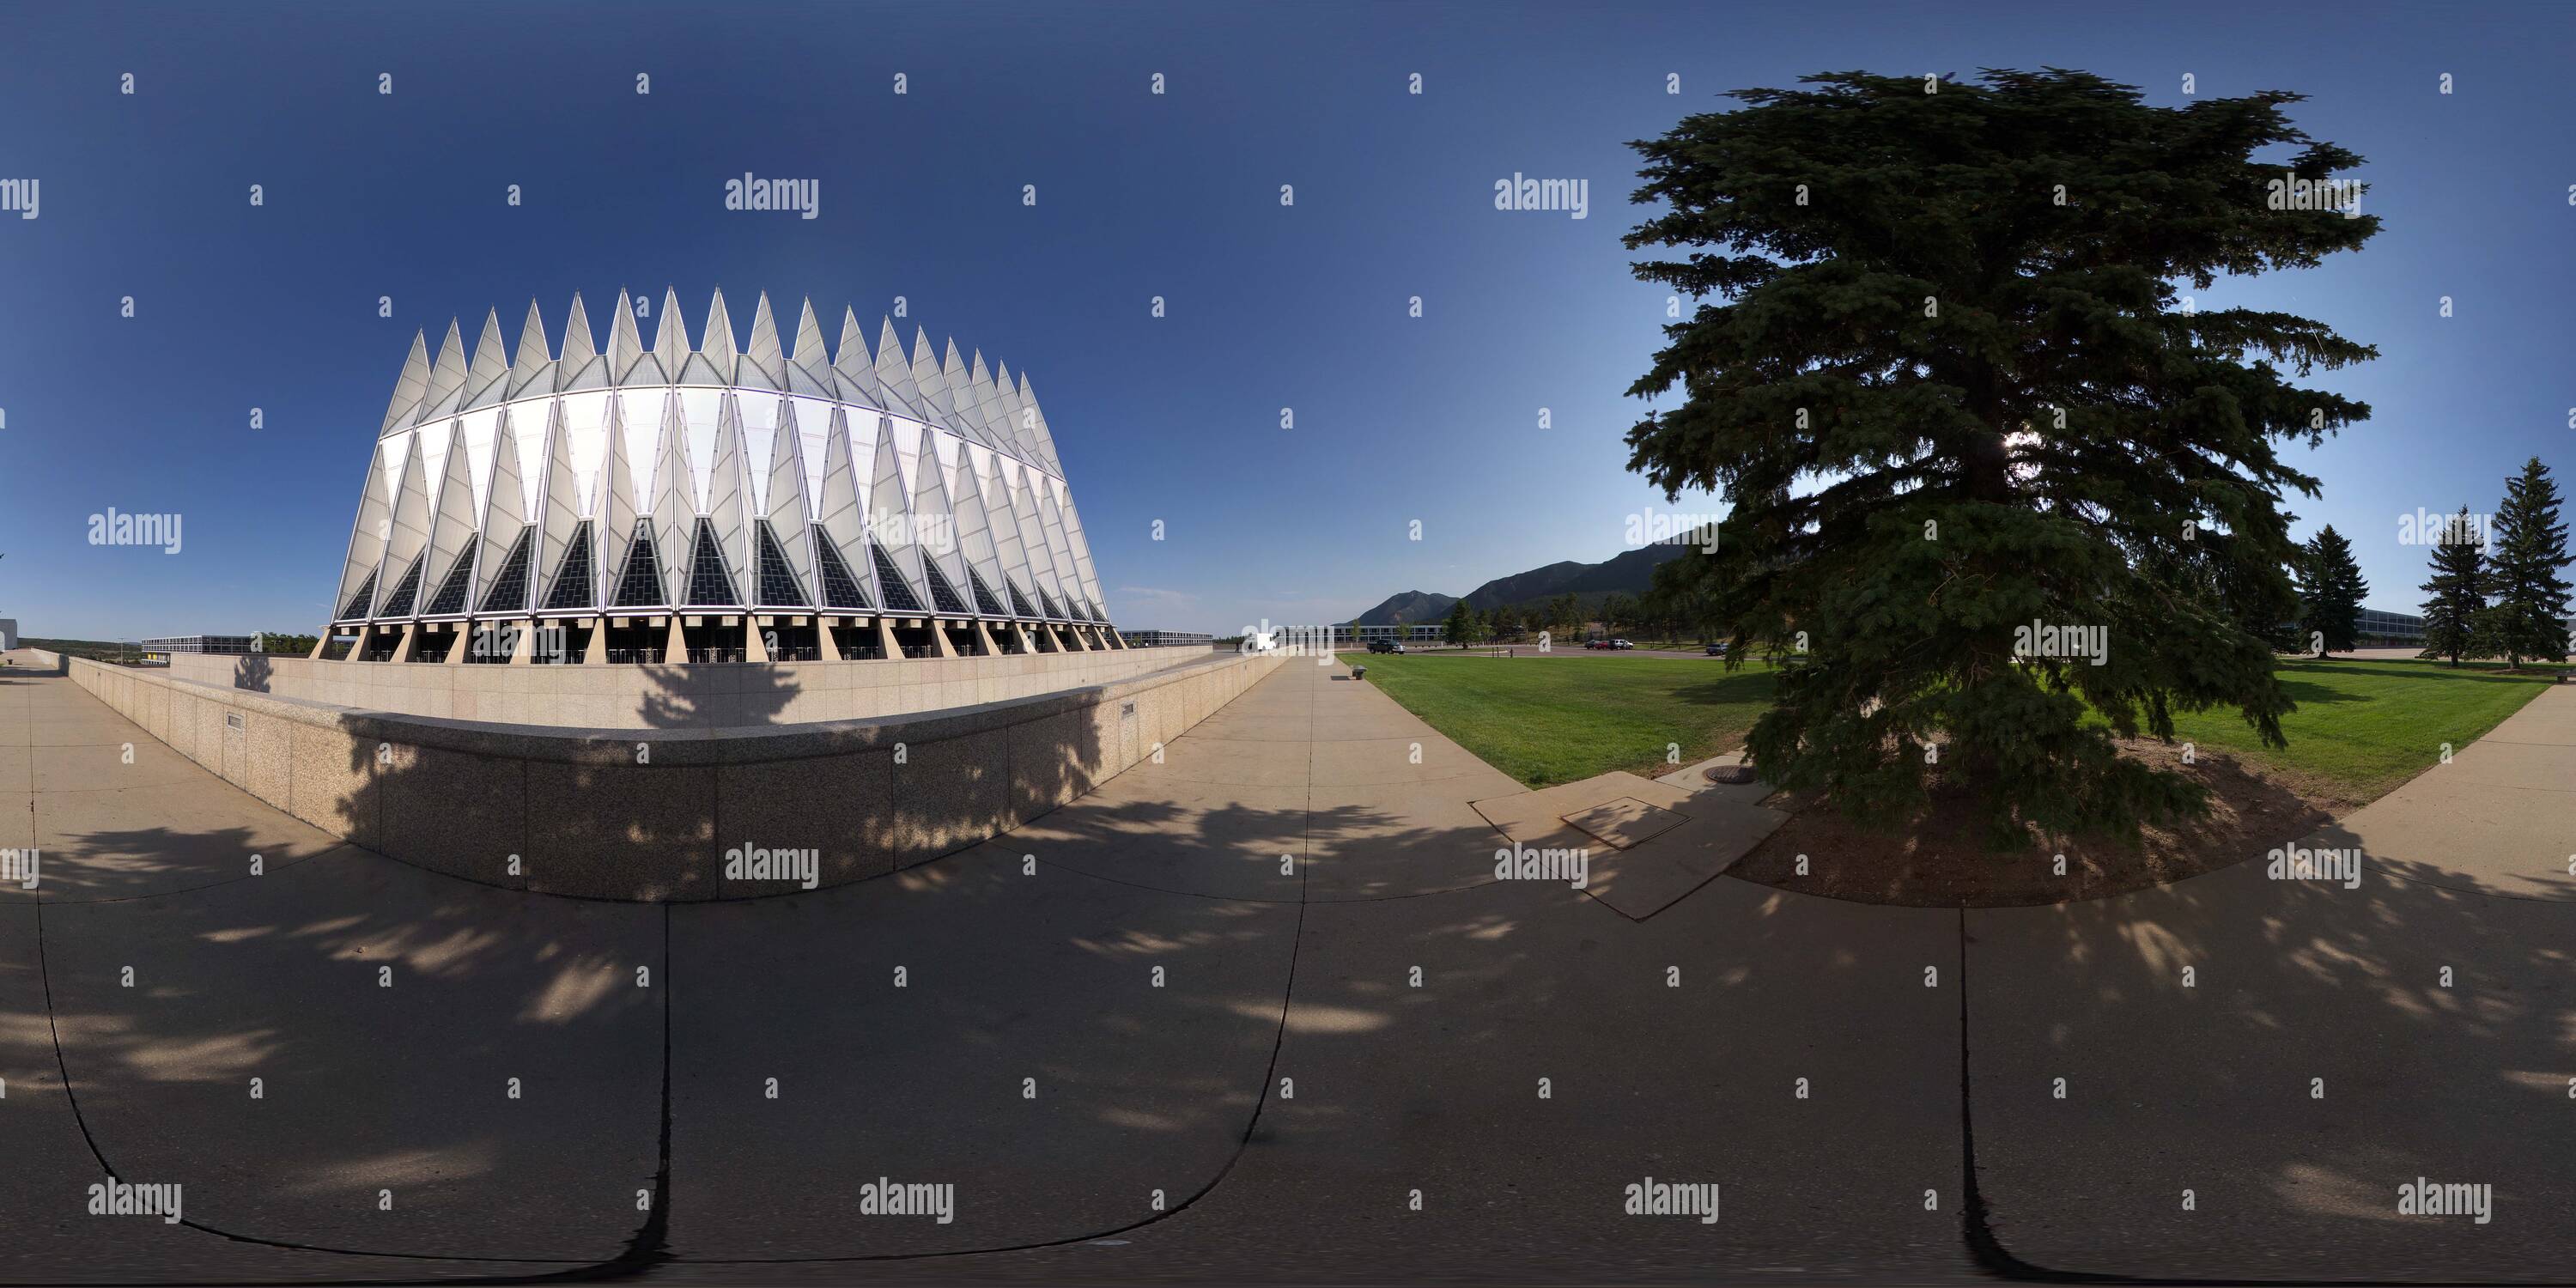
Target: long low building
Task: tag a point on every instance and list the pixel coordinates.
(727, 503)
(164, 646)
(2397, 629)
(2380, 627)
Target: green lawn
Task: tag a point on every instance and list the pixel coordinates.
(1558, 719)
(2364, 727)
(2360, 730)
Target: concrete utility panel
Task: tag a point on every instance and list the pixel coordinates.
(1626, 821)
(8, 632)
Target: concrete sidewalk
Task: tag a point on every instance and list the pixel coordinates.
(2333, 1042)
(1139, 1048)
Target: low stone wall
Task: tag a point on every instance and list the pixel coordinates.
(652, 814)
(680, 696)
(36, 661)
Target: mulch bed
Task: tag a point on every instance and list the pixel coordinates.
(1939, 858)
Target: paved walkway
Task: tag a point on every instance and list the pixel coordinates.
(1141, 1048)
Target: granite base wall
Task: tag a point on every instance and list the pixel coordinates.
(649, 814)
(677, 696)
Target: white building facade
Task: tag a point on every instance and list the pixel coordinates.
(722, 503)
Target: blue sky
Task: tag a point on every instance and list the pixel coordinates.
(1397, 418)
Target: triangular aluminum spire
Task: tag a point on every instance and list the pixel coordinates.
(936, 525)
(894, 376)
(815, 422)
(505, 518)
(583, 364)
(670, 339)
(501, 516)
(565, 582)
(1089, 580)
(760, 414)
(837, 496)
(933, 386)
(587, 425)
(974, 528)
(1068, 578)
(713, 364)
(1006, 408)
(1041, 585)
(969, 390)
(717, 340)
(447, 378)
(895, 534)
(451, 534)
(809, 338)
(637, 579)
(854, 366)
(923, 384)
(409, 388)
(989, 413)
(728, 513)
(762, 366)
(782, 518)
(478, 431)
(487, 377)
(996, 491)
(809, 368)
(625, 347)
(533, 368)
(959, 382)
(615, 506)
(581, 342)
(1035, 419)
(526, 433)
(408, 536)
(367, 539)
(675, 511)
(979, 384)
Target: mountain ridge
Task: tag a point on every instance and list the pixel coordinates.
(1630, 572)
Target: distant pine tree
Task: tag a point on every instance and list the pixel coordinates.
(2529, 618)
(1460, 624)
(2456, 594)
(2330, 593)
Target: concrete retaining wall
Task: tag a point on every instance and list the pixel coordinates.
(36, 661)
(682, 696)
(649, 814)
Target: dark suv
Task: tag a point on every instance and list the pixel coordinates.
(1385, 646)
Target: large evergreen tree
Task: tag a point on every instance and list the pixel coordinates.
(2330, 593)
(1679, 595)
(1460, 624)
(1956, 387)
(2530, 614)
(2456, 595)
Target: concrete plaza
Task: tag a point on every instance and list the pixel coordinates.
(1262, 1011)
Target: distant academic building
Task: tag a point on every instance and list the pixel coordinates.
(2379, 626)
(226, 644)
(1401, 632)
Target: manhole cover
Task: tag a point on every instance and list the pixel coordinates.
(1730, 773)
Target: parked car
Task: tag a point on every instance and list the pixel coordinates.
(1717, 648)
(1385, 646)
(1621, 644)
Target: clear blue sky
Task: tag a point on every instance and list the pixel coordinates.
(1397, 419)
